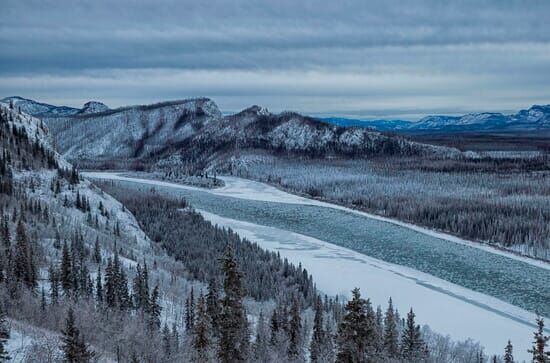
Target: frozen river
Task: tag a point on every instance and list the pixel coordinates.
(457, 288)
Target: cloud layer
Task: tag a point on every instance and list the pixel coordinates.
(387, 58)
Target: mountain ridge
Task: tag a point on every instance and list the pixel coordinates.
(537, 117)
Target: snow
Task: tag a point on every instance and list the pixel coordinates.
(251, 190)
(446, 307)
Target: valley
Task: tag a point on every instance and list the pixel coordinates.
(491, 289)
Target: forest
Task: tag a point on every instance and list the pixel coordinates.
(500, 201)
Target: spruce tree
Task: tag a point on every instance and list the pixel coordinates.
(412, 346)
(213, 306)
(23, 268)
(352, 332)
(294, 332)
(318, 334)
(99, 287)
(201, 331)
(66, 270)
(233, 343)
(261, 344)
(75, 349)
(508, 353)
(540, 354)
(391, 334)
(154, 310)
(4, 336)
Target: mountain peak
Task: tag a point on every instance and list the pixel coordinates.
(93, 107)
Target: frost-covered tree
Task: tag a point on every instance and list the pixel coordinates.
(4, 336)
(75, 349)
(352, 332)
(508, 353)
(234, 336)
(412, 345)
(391, 335)
(540, 354)
(202, 332)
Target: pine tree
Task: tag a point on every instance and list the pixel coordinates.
(201, 329)
(508, 353)
(318, 334)
(75, 349)
(294, 333)
(166, 341)
(99, 287)
(4, 336)
(352, 332)
(97, 251)
(154, 310)
(66, 270)
(54, 285)
(391, 346)
(540, 354)
(233, 344)
(24, 269)
(412, 345)
(213, 306)
(261, 344)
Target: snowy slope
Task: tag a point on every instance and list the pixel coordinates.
(35, 108)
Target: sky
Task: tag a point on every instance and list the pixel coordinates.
(355, 58)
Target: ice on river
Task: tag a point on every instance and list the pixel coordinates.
(447, 308)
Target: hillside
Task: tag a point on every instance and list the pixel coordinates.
(66, 244)
(195, 132)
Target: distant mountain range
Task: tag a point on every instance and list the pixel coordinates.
(39, 109)
(533, 119)
(194, 131)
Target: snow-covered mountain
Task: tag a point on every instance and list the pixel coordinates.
(196, 129)
(533, 119)
(39, 109)
(93, 107)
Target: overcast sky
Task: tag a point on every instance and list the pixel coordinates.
(370, 59)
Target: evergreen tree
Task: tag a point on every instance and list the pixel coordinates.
(54, 285)
(412, 346)
(166, 341)
(294, 333)
(261, 344)
(97, 251)
(75, 349)
(352, 332)
(99, 287)
(540, 354)
(318, 334)
(508, 353)
(233, 344)
(213, 306)
(4, 336)
(201, 330)
(391, 334)
(154, 310)
(66, 270)
(24, 269)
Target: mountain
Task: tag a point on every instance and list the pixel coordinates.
(195, 130)
(39, 109)
(93, 107)
(35, 108)
(533, 119)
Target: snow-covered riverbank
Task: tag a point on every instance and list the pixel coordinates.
(446, 307)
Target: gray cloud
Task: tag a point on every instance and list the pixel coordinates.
(347, 57)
